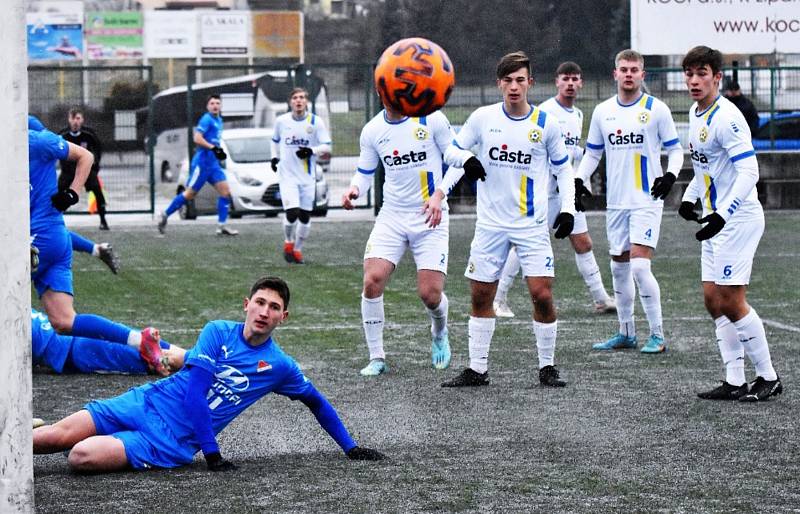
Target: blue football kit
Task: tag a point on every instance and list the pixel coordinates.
(155, 424)
(205, 167)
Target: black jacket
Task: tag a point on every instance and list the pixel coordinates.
(748, 109)
(87, 139)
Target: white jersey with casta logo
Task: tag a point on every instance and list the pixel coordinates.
(570, 120)
(517, 154)
(632, 136)
(290, 135)
(718, 138)
(410, 151)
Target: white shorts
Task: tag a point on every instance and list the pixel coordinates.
(727, 258)
(396, 231)
(296, 195)
(640, 226)
(490, 247)
(554, 209)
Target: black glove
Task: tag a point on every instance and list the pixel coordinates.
(687, 212)
(473, 169)
(581, 192)
(715, 224)
(64, 199)
(219, 153)
(34, 259)
(274, 163)
(215, 462)
(564, 224)
(304, 152)
(662, 186)
(361, 453)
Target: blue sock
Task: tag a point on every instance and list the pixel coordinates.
(92, 355)
(222, 209)
(164, 344)
(97, 327)
(176, 204)
(80, 243)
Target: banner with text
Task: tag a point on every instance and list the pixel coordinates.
(114, 35)
(170, 34)
(225, 34)
(671, 27)
(55, 31)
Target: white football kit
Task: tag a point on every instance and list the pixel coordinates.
(297, 177)
(570, 121)
(410, 151)
(725, 176)
(632, 136)
(518, 154)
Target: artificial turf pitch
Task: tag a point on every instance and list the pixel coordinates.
(626, 434)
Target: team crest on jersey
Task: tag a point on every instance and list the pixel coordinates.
(703, 135)
(420, 134)
(535, 135)
(263, 366)
(644, 117)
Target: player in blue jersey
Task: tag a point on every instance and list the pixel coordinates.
(164, 424)
(725, 177)
(53, 276)
(67, 354)
(205, 167)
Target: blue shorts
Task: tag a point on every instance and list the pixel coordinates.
(148, 440)
(202, 171)
(55, 261)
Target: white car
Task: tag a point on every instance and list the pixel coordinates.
(253, 184)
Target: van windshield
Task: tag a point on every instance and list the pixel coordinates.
(248, 149)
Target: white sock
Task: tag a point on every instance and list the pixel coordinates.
(590, 271)
(731, 350)
(480, 331)
(754, 339)
(439, 317)
(134, 338)
(545, 334)
(96, 250)
(510, 270)
(649, 293)
(624, 289)
(288, 229)
(372, 319)
(301, 234)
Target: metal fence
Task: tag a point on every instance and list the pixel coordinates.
(115, 101)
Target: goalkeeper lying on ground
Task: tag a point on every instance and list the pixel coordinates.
(163, 424)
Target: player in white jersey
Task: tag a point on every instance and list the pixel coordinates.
(725, 176)
(520, 145)
(413, 216)
(299, 138)
(632, 127)
(570, 117)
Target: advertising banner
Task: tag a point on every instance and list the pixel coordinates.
(671, 27)
(225, 34)
(55, 31)
(278, 34)
(114, 35)
(170, 34)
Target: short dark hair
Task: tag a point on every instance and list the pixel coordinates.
(273, 284)
(728, 84)
(699, 56)
(568, 68)
(297, 90)
(213, 96)
(512, 62)
(74, 111)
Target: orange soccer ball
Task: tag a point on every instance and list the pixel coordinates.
(414, 76)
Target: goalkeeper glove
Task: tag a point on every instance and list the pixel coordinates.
(304, 152)
(34, 259)
(64, 199)
(274, 163)
(581, 192)
(662, 186)
(564, 224)
(219, 153)
(215, 462)
(686, 211)
(715, 224)
(361, 453)
(473, 169)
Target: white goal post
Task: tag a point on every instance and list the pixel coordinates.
(16, 447)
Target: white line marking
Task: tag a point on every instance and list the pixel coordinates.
(779, 325)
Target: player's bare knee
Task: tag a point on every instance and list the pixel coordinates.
(431, 297)
(304, 216)
(189, 194)
(581, 243)
(80, 458)
(62, 322)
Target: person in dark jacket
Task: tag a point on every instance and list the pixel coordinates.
(733, 92)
